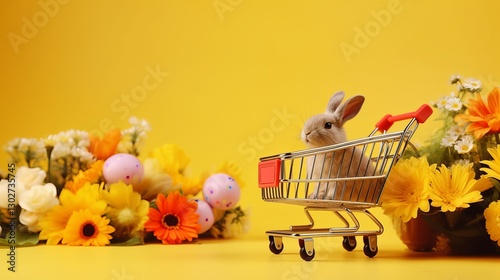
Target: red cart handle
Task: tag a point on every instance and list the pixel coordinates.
(421, 115)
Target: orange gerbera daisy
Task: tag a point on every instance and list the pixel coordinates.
(175, 220)
(105, 147)
(483, 117)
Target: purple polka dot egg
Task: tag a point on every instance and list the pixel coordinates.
(123, 167)
(221, 191)
(206, 219)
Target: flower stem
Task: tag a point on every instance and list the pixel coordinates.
(49, 154)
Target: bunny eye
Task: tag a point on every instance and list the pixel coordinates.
(328, 125)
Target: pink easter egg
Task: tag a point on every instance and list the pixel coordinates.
(221, 191)
(206, 219)
(123, 167)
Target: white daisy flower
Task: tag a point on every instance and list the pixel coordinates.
(139, 124)
(457, 130)
(455, 78)
(133, 137)
(31, 144)
(51, 140)
(12, 145)
(80, 138)
(64, 138)
(85, 156)
(449, 140)
(472, 84)
(32, 148)
(60, 151)
(468, 138)
(453, 104)
(464, 145)
(441, 103)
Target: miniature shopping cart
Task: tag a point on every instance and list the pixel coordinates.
(287, 178)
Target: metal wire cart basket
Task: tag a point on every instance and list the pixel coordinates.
(350, 189)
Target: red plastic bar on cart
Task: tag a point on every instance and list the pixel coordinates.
(269, 173)
(421, 115)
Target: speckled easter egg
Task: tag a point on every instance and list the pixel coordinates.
(206, 219)
(221, 191)
(123, 167)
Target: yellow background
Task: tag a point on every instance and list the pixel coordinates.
(235, 79)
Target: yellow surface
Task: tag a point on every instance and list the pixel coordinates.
(234, 80)
(242, 259)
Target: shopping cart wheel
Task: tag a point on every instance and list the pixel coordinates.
(275, 244)
(307, 249)
(349, 243)
(370, 249)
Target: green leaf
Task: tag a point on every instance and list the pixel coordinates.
(4, 242)
(152, 204)
(132, 241)
(25, 238)
(22, 238)
(479, 218)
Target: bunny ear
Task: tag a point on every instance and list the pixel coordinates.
(350, 108)
(334, 102)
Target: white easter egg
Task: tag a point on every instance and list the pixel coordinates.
(123, 167)
(206, 219)
(221, 191)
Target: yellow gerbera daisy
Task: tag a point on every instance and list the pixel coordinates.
(456, 188)
(127, 211)
(189, 186)
(173, 160)
(155, 181)
(492, 216)
(407, 188)
(494, 170)
(85, 228)
(91, 175)
(55, 221)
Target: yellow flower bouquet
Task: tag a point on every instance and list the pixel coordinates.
(452, 181)
(72, 188)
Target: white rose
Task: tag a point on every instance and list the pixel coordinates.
(30, 219)
(27, 177)
(39, 198)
